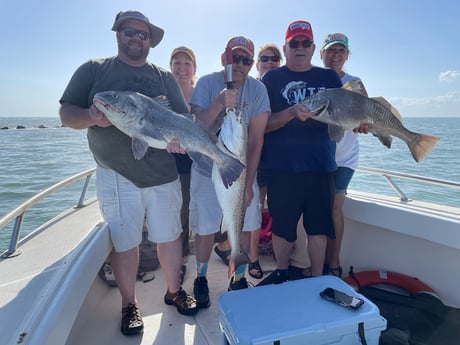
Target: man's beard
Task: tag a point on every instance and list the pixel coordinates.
(134, 51)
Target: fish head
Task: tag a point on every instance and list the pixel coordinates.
(124, 109)
(317, 103)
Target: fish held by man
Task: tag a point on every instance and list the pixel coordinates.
(149, 123)
(345, 109)
(233, 137)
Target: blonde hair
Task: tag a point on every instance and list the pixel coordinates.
(273, 47)
(189, 52)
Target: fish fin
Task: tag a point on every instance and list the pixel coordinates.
(385, 140)
(230, 170)
(422, 146)
(336, 133)
(139, 148)
(353, 86)
(163, 101)
(386, 104)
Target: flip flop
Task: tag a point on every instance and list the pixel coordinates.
(255, 266)
(223, 254)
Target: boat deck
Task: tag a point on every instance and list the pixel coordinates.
(162, 323)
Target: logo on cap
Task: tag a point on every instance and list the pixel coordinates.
(299, 28)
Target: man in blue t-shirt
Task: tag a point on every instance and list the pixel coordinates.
(298, 155)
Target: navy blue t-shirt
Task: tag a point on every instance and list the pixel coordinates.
(298, 146)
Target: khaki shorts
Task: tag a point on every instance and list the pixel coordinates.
(205, 211)
(125, 207)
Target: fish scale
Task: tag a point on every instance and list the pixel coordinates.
(233, 137)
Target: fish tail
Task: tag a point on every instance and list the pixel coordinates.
(230, 170)
(235, 261)
(422, 146)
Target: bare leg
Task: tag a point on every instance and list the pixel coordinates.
(124, 266)
(203, 247)
(170, 256)
(334, 245)
(282, 249)
(245, 241)
(254, 247)
(317, 250)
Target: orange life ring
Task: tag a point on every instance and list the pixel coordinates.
(411, 284)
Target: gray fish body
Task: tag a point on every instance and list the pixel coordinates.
(346, 110)
(233, 137)
(149, 123)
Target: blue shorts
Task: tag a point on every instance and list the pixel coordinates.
(343, 177)
(290, 195)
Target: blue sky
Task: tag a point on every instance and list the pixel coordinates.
(406, 51)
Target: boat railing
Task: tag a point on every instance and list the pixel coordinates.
(390, 175)
(18, 213)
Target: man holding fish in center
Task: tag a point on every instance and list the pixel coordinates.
(245, 100)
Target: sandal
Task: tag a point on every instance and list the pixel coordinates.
(131, 320)
(255, 270)
(336, 271)
(223, 254)
(307, 272)
(184, 303)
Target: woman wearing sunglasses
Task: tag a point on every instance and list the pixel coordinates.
(269, 57)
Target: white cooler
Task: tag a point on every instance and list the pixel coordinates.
(293, 313)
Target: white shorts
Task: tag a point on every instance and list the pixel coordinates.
(125, 207)
(205, 211)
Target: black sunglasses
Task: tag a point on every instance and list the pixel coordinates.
(244, 59)
(265, 58)
(294, 44)
(130, 32)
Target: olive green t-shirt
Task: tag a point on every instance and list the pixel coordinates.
(110, 147)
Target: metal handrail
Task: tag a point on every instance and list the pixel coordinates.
(389, 174)
(18, 213)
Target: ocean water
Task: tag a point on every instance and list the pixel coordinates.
(35, 158)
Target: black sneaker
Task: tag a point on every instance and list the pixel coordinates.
(201, 292)
(131, 320)
(184, 303)
(239, 285)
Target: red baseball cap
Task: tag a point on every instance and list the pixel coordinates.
(299, 28)
(241, 42)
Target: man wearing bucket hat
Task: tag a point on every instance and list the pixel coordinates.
(130, 191)
(298, 155)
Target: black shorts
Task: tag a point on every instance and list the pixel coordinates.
(289, 195)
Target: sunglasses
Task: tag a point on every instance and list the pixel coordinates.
(130, 32)
(295, 44)
(265, 58)
(247, 61)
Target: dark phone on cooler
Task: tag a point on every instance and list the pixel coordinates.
(341, 298)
